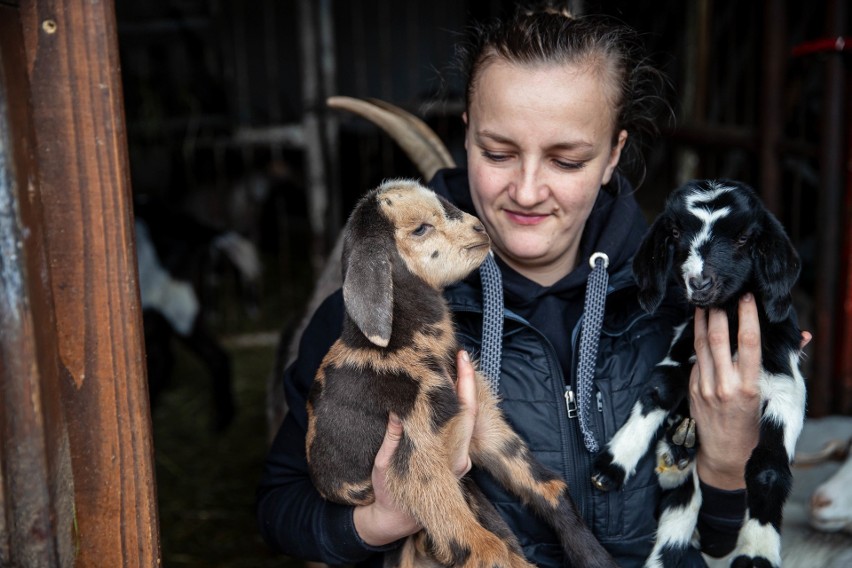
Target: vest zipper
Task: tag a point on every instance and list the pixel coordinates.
(570, 402)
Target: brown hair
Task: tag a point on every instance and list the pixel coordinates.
(552, 36)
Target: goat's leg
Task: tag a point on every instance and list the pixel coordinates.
(678, 514)
(666, 389)
(496, 448)
(768, 477)
(421, 481)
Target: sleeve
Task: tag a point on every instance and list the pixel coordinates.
(720, 519)
(293, 517)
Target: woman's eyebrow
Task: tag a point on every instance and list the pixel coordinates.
(564, 145)
(480, 134)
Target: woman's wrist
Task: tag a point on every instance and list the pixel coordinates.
(727, 476)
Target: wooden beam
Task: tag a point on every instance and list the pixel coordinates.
(73, 65)
(36, 486)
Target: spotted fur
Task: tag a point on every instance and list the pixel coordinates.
(403, 245)
(719, 242)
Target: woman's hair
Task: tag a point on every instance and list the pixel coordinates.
(551, 36)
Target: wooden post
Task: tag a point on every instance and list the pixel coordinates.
(92, 360)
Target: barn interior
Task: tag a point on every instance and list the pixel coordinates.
(232, 148)
(227, 123)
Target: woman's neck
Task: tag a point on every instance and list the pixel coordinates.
(545, 274)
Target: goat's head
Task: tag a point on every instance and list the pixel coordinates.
(831, 503)
(403, 226)
(721, 241)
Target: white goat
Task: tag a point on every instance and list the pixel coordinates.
(831, 503)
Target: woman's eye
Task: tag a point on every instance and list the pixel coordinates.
(421, 230)
(494, 156)
(565, 165)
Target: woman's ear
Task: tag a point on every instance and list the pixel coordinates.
(466, 126)
(614, 156)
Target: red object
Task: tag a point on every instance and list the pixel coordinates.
(837, 44)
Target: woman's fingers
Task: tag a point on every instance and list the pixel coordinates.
(749, 355)
(702, 382)
(466, 391)
(393, 434)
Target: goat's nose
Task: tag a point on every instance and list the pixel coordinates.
(700, 283)
(819, 501)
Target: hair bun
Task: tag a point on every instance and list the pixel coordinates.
(550, 8)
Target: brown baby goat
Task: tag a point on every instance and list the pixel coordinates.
(403, 245)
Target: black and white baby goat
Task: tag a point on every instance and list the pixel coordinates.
(721, 243)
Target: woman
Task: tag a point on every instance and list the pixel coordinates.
(553, 105)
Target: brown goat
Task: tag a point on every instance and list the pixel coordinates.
(403, 245)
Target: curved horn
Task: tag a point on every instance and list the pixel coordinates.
(833, 450)
(418, 141)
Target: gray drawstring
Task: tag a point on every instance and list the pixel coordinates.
(592, 321)
(492, 322)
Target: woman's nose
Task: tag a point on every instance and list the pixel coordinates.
(528, 188)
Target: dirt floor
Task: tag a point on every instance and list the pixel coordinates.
(206, 481)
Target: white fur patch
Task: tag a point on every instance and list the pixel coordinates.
(785, 402)
(670, 476)
(676, 527)
(631, 441)
(668, 361)
(696, 204)
(756, 539)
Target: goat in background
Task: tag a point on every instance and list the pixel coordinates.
(174, 252)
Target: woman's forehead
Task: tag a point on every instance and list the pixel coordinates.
(561, 98)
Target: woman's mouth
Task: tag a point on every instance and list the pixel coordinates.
(520, 218)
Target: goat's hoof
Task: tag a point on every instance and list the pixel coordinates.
(685, 433)
(603, 482)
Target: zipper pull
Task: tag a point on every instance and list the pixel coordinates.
(599, 396)
(570, 402)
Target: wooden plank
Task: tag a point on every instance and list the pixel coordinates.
(73, 65)
(36, 493)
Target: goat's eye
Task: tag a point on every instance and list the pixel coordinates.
(743, 239)
(675, 233)
(421, 230)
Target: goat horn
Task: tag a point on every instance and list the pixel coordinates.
(418, 141)
(833, 450)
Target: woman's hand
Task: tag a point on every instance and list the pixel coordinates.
(382, 522)
(725, 394)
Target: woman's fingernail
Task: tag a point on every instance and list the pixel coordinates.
(465, 356)
(748, 297)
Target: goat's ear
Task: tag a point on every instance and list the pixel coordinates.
(651, 264)
(776, 268)
(368, 288)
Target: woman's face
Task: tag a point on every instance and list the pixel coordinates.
(539, 146)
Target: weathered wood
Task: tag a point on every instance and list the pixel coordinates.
(72, 57)
(36, 493)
